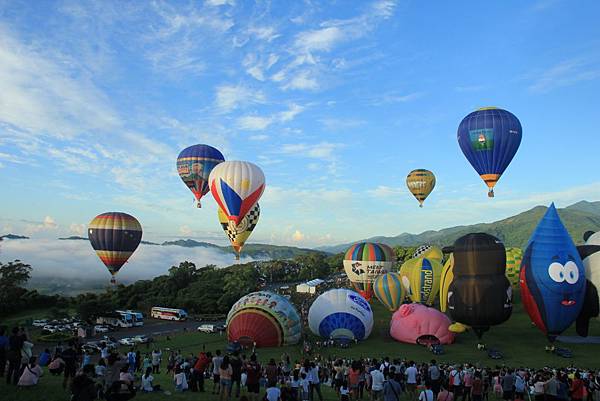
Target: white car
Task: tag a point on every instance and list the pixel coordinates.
(101, 329)
(141, 339)
(49, 329)
(127, 341)
(207, 328)
(39, 323)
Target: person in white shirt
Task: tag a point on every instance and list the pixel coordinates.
(273, 393)
(427, 394)
(411, 379)
(304, 387)
(180, 380)
(148, 381)
(377, 379)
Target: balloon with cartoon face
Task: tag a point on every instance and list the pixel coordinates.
(552, 277)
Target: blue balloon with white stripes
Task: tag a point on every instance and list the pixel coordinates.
(489, 138)
(341, 314)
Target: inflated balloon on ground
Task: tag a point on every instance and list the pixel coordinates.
(389, 290)
(364, 261)
(420, 324)
(341, 314)
(264, 318)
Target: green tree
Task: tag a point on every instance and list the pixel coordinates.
(13, 276)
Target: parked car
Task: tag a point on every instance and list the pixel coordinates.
(142, 339)
(91, 347)
(39, 323)
(127, 341)
(101, 329)
(48, 329)
(207, 328)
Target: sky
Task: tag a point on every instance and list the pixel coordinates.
(336, 102)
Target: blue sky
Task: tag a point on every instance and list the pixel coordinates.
(336, 101)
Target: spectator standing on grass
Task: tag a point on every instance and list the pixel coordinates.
(200, 367)
(104, 351)
(216, 364)
(377, 379)
(477, 387)
(391, 388)
(508, 385)
(273, 393)
(444, 394)
(131, 360)
(411, 379)
(69, 356)
(44, 358)
(225, 373)
(253, 373)
(434, 376)
(236, 376)
(427, 394)
(180, 380)
(156, 359)
(13, 355)
(577, 388)
(468, 383)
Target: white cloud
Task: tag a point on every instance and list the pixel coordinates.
(78, 229)
(48, 224)
(266, 33)
(185, 231)
(254, 123)
(319, 40)
(394, 97)
(298, 236)
(216, 3)
(565, 73)
(292, 112)
(257, 65)
(260, 137)
(230, 97)
(386, 192)
(322, 150)
(303, 80)
(73, 259)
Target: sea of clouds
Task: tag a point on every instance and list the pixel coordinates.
(76, 260)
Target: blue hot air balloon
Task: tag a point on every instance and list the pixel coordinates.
(489, 138)
(552, 277)
(194, 165)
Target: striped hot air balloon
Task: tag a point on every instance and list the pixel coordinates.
(389, 290)
(364, 261)
(238, 234)
(194, 165)
(264, 318)
(513, 265)
(489, 138)
(420, 183)
(114, 236)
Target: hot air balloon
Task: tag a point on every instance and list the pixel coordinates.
(590, 255)
(479, 295)
(420, 183)
(389, 290)
(405, 274)
(423, 279)
(236, 186)
(238, 234)
(552, 277)
(429, 252)
(445, 279)
(489, 138)
(114, 236)
(419, 324)
(264, 318)
(513, 265)
(340, 314)
(364, 261)
(194, 165)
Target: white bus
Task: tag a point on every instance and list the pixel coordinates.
(137, 318)
(158, 312)
(115, 320)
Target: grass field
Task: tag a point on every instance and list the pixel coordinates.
(521, 343)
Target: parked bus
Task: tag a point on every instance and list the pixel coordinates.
(137, 318)
(115, 320)
(158, 312)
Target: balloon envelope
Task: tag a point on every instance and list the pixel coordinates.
(194, 165)
(479, 295)
(489, 138)
(590, 254)
(445, 280)
(513, 265)
(552, 277)
(238, 234)
(236, 186)
(429, 252)
(424, 280)
(364, 261)
(414, 322)
(264, 318)
(114, 236)
(420, 183)
(341, 314)
(389, 290)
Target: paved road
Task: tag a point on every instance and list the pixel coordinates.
(151, 328)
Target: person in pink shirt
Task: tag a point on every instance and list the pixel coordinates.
(445, 395)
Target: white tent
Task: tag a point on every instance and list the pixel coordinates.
(310, 287)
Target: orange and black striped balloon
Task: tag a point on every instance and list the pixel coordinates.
(420, 183)
(114, 236)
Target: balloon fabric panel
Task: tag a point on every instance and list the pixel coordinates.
(194, 165)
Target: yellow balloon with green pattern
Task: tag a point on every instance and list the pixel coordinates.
(513, 265)
(423, 279)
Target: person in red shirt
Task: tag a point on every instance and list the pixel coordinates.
(253, 372)
(577, 388)
(202, 363)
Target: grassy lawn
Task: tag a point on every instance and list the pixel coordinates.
(521, 343)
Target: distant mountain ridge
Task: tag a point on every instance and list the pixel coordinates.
(13, 236)
(513, 231)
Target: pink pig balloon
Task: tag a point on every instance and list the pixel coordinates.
(415, 321)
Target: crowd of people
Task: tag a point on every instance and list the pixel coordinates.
(237, 375)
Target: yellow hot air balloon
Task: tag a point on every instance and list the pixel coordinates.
(405, 272)
(513, 265)
(429, 252)
(420, 183)
(238, 234)
(389, 290)
(424, 280)
(445, 279)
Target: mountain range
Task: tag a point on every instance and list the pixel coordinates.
(513, 231)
